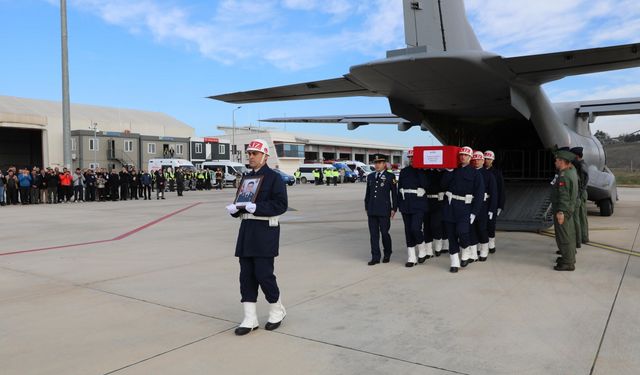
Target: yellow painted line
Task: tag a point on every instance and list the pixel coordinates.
(601, 246)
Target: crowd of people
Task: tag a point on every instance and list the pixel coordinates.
(53, 186)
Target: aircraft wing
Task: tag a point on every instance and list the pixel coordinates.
(352, 121)
(629, 106)
(330, 88)
(553, 66)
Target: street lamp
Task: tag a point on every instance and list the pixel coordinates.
(233, 132)
(94, 127)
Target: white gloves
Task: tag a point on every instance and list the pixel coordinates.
(473, 218)
(421, 192)
(232, 209)
(499, 211)
(490, 215)
(250, 207)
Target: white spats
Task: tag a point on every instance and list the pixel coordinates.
(250, 317)
(464, 253)
(484, 250)
(445, 245)
(411, 259)
(492, 242)
(455, 260)
(473, 252)
(425, 249)
(437, 246)
(276, 312)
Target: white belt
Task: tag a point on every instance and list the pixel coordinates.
(439, 196)
(486, 196)
(467, 199)
(419, 192)
(273, 220)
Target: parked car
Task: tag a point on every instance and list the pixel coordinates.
(286, 178)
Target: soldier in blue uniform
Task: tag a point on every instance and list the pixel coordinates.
(464, 192)
(381, 206)
(412, 203)
(258, 241)
(479, 230)
(489, 157)
(433, 227)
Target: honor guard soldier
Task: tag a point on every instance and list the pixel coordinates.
(489, 158)
(464, 192)
(381, 206)
(258, 241)
(433, 227)
(564, 196)
(479, 229)
(412, 203)
(582, 236)
(179, 181)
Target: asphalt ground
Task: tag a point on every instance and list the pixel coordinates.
(151, 287)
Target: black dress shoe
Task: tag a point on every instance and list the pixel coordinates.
(564, 267)
(241, 331)
(559, 252)
(422, 260)
(482, 259)
(373, 262)
(272, 326)
(409, 264)
(438, 253)
(386, 259)
(463, 263)
(471, 261)
(453, 269)
(491, 251)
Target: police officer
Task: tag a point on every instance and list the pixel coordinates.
(380, 205)
(582, 236)
(412, 203)
(464, 192)
(489, 158)
(479, 229)
(564, 196)
(434, 232)
(297, 175)
(258, 241)
(171, 178)
(179, 181)
(316, 177)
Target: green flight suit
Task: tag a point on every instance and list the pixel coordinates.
(564, 197)
(582, 225)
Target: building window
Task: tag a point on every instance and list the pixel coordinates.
(74, 141)
(286, 150)
(222, 149)
(151, 148)
(179, 149)
(94, 166)
(128, 146)
(94, 145)
(198, 148)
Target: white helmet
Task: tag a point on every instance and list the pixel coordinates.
(258, 145)
(489, 155)
(466, 150)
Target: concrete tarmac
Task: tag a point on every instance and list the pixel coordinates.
(151, 287)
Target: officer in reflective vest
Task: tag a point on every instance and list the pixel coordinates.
(258, 240)
(464, 192)
(412, 203)
(297, 175)
(380, 204)
(434, 232)
(479, 229)
(316, 177)
(489, 158)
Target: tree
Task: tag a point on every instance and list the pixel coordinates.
(603, 137)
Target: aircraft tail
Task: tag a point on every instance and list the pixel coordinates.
(439, 25)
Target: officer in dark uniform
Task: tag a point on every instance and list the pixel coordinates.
(464, 192)
(582, 235)
(380, 204)
(412, 203)
(434, 231)
(114, 184)
(258, 241)
(179, 181)
(479, 229)
(489, 158)
(564, 196)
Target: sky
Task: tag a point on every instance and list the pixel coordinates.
(168, 55)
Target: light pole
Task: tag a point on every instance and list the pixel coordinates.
(234, 148)
(66, 122)
(94, 127)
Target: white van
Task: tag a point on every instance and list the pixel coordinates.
(306, 171)
(161, 164)
(358, 166)
(230, 168)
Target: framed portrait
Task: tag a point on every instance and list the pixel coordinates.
(248, 190)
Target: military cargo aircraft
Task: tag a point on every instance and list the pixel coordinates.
(448, 85)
